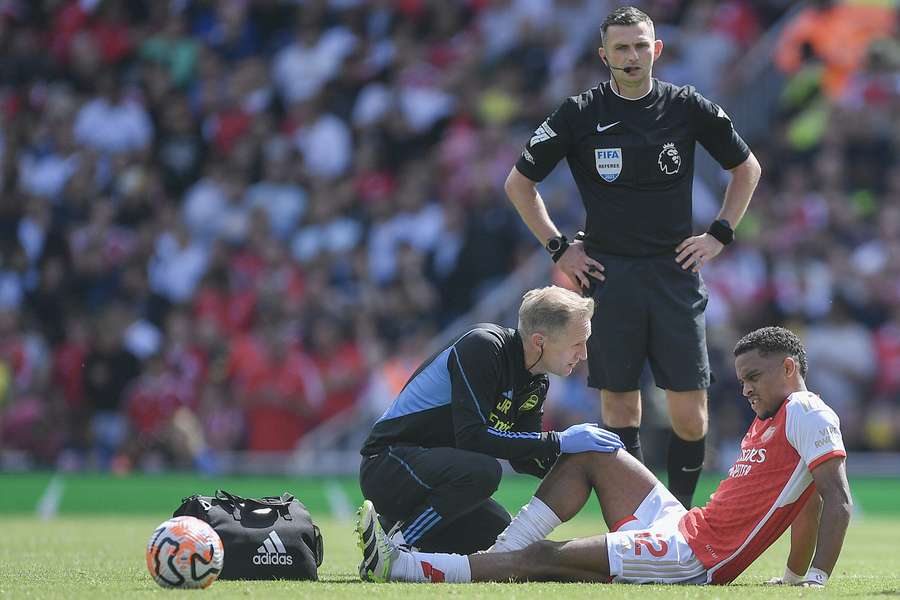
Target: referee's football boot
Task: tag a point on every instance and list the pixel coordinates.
(378, 551)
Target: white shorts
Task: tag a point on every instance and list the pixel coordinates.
(649, 548)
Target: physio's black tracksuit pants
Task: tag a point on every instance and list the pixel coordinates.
(440, 496)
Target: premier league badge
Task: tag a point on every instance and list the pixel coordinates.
(669, 160)
(609, 163)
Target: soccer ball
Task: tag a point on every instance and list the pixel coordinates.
(185, 552)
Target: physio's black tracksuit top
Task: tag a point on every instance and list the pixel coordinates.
(474, 394)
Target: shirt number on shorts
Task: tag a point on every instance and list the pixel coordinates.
(645, 540)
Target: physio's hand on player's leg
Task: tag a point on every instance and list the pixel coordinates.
(588, 437)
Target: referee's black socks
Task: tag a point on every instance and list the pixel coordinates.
(685, 462)
(631, 438)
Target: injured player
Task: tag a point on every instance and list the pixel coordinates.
(790, 472)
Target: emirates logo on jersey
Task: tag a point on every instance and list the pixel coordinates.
(744, 464)
(752, 455)
(768, 434)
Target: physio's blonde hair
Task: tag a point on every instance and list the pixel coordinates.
(550, 309)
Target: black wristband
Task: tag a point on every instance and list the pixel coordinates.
(558, 254)
(557, 246)
(722, 231)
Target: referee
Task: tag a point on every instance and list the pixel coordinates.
(430, 463)
(629, 143)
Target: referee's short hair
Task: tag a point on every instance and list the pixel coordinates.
(550, 309)
(774, 340)
(624, 15)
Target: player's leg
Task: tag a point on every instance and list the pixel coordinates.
(383, 560)
(619, 481)
(617, 348)
(582, 559)
(680, 365)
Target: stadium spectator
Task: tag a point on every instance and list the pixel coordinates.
(137, 137)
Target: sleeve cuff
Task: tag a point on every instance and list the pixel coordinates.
(826, 457)
(728, 166)
(528, 170)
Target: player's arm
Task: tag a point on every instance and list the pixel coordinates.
(741, 186)
(715, 132)
(547, 146)
(804, 531)
(526, 199)
(830, 478)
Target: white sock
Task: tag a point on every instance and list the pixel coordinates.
(431, 568)
(534, 522)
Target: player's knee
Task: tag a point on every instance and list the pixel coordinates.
(578, 461)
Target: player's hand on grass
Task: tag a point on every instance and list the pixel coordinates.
(814, 578)
(588, 437)
(579, 267)
(697, 250)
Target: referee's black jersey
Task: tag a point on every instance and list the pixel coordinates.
(474, 394)
(633, 161)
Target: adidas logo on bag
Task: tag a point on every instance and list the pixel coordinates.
(272, 552)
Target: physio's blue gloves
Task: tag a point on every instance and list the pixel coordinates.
(588, 437)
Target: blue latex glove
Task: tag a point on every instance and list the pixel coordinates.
(588, 437)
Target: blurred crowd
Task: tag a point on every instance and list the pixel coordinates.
(226, 222)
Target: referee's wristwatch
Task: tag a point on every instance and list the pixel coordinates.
(722, 231)
(557, 246)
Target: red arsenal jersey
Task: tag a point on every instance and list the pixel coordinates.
(765, 488)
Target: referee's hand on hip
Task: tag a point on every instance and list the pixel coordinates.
(696, 251)
(579, 267)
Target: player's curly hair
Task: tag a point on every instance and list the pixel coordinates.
(624, 15)
(551, 309)
(774, 340)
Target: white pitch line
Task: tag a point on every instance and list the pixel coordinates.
(48, 504)
(338, 501)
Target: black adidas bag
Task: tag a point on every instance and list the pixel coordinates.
(264, 538)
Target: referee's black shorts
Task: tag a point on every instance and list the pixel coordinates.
(648, 308)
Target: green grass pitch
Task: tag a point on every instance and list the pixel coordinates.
(95, 547)
(103, 557)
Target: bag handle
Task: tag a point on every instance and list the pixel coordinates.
(319, 550)
(239, 503)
